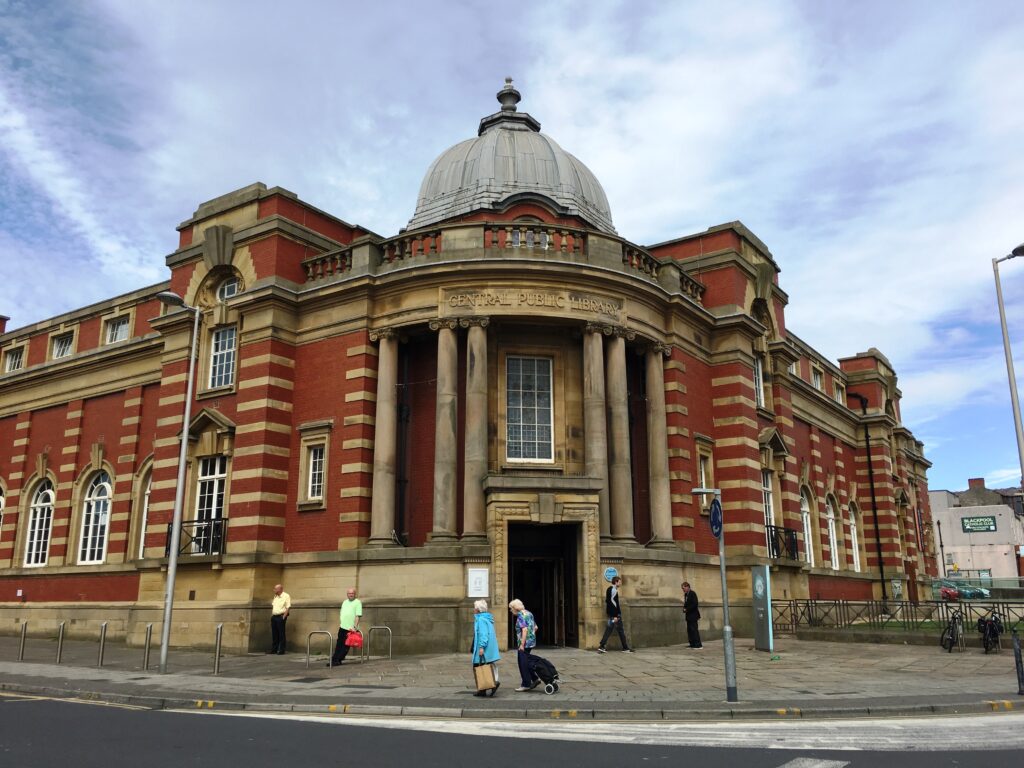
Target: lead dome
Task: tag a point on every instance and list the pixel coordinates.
(510, 159)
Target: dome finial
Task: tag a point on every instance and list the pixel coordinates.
(508, 96)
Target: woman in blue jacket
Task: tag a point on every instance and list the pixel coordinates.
(485, 643)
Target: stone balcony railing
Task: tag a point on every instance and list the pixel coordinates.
(496, 240)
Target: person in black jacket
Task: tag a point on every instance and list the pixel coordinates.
(613, 607)
(691, 610)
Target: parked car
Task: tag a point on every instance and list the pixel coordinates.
(946, 591)
(970, 592)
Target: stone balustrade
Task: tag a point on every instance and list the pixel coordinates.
(535, 237)
(497, 239)
(326, 265)
(411, 245)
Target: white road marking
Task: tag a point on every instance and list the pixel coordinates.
(930, 734)
(808, 762)
(19, 698)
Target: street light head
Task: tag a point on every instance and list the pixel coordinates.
(1018, 251)
(170, 299)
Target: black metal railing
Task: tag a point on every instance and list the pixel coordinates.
(782, 542)
(200, 537)
(790, 615)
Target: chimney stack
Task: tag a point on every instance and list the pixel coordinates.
(976, 484)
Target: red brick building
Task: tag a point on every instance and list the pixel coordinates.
(505, 386)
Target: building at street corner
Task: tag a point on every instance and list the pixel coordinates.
(507, 388)
(979, 533)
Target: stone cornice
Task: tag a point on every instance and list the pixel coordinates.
(85, 313)
(68, 379)
(266, 226)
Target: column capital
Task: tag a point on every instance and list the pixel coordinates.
(376, 334)
(660, 347)
(442, 323)
(611, 330)
(469, 322)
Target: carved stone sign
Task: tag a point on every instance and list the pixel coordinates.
(519, 301)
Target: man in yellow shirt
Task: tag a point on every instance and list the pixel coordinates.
(279, 607)
(348, 621)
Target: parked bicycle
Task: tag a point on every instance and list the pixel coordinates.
(953, 634)
(991, 627)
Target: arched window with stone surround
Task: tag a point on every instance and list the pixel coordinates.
(833, 543)
(808, 529)
(92, 547)
(854, 535)
(40, 523)
(147, 486)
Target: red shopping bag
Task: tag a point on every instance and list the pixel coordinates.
(354, 639)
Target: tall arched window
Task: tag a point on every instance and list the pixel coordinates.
(854, 537)
(40, 520)
(1, 512)
(805, 517)
(833, 545)
(95, 520)
(144, 517)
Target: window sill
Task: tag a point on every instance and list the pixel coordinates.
(207, 394)
(531, 467)
(315, 505)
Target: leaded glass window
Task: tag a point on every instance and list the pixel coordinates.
(528, 391)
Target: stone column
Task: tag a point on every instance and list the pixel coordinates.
(474, 516)
(619, 465)
(446, 426)
(385, 434)
(595, 424)
(657, 448)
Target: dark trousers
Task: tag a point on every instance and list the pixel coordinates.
(340, 650)
(613, 626)
(523, 657)
(277, 633)
(692, 635)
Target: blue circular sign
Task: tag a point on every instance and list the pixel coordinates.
(716, 518)
(610, 573)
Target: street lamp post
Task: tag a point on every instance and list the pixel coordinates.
(1018, 251)
(727, 642)
(169, 299)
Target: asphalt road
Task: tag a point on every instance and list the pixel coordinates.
(45, 733)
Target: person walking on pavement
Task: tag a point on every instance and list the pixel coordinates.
(348, 621)
(691, 611)
(485, 643)
(613, 607)
(279, 607)
(526, 632)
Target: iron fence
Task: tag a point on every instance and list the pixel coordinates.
(790, 615)
(199, 537)
(782, 542)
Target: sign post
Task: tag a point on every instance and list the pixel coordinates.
(761, 584)
(717, 528)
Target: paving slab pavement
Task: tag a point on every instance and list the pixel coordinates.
(801, 679)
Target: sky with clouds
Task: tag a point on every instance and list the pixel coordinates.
(877, 148)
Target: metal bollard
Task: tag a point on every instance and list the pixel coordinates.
(21, 646)
(103, 642)
(145, 656)
(1018, 663)
(60, 641)
(216, 650)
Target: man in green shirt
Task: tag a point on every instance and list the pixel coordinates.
(348, 621)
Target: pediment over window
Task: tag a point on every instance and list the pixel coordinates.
(210, 420)
(770, 439)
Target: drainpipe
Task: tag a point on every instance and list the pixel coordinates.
(874, 503)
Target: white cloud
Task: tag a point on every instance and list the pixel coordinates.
(878, 149)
